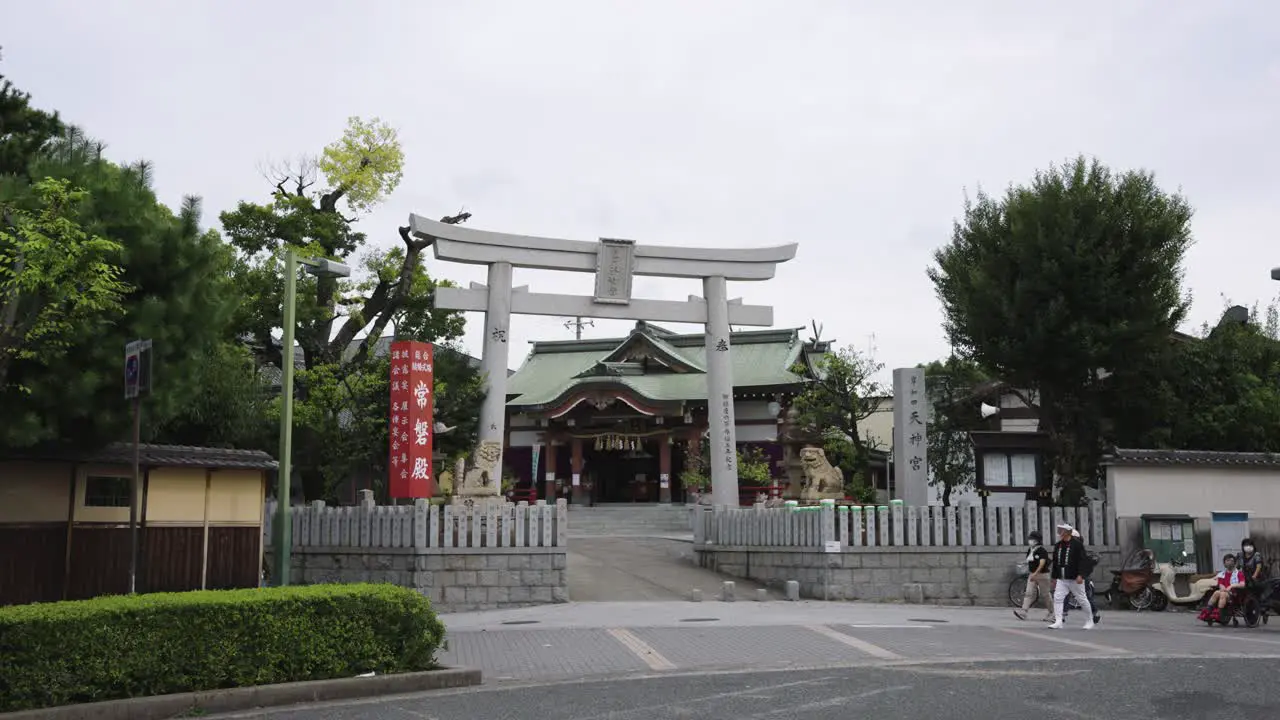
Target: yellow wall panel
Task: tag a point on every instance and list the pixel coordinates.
(34, 492)
(236, 496)
(176, 495)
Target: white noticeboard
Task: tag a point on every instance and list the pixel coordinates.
(831, 546)
(577, 479)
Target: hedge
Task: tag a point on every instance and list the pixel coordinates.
(133, 646)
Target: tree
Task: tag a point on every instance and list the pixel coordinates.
(25, 132)
(1060, 282)
(341, 391)
(841, 393)
(178, 296)
(1227, 387)
(232, 406)
(54, 277)
(954, 413)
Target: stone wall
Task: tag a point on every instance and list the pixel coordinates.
(457, 580)
(932, 575)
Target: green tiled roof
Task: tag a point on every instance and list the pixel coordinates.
(761, 358)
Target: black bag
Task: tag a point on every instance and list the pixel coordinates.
(1088, 563)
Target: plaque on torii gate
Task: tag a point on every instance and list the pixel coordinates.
(614, 262)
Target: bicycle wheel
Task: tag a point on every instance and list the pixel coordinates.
(1018, 589)
(1142, 599)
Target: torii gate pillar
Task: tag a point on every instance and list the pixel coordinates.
(614, 263)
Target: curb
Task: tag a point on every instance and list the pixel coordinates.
(207, 702)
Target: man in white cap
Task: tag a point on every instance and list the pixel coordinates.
(1067, 576)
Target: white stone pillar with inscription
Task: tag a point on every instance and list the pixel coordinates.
(723, 437)
(493, 363)
(910, 437)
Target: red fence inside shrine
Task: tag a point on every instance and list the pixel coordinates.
(412, 422)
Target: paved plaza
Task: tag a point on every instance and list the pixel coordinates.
(809, 659)
(611, 569)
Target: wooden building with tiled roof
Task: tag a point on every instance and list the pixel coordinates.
(621, 413)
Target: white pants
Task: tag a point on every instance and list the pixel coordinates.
(1061, 589)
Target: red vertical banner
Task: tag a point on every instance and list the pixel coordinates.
(412, 419)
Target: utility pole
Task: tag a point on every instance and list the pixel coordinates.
(577, 324)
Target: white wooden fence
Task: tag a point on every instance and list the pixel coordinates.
(895, 525)
(423, 525)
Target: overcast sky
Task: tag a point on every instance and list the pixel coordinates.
(852, 128)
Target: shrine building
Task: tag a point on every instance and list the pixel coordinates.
(620, 414)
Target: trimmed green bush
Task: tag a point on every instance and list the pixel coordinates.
(133, 646)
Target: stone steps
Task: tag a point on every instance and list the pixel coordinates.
(628, 520)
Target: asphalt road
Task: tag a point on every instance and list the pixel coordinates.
(711, 660)
(1077, 689)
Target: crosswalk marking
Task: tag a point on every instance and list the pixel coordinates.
(1214, 634)
(1052, 637)
(853, 642)
(641, 649)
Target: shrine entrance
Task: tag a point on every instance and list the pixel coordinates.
(631, 472)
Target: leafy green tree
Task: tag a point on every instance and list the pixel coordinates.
(842, 392)
(1226, 386)
(178, 296)
(24, 132)
(954, 414)
(54, 277)
(232, 406)
(341, 397)
(1060, 282)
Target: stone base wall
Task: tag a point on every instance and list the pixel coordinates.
(932, 575)
(454, 579)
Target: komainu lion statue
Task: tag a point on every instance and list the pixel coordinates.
(821, 480)
(479, 478)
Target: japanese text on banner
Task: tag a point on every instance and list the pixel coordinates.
(412, 420)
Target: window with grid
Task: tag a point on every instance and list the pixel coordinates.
(1016, 470)
(106, 491)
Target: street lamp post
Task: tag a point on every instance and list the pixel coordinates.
(283, 539)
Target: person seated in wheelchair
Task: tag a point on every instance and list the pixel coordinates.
(1230, 582)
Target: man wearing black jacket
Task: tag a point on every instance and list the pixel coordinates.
(1066, 575)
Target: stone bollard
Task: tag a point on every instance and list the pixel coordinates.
(762, 595)
(793, 590)
(695, 595)
(726, 592)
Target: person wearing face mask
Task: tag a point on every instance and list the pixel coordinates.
(1250, 563)
(1229, 580)
(1087, 564)
(1038, 563)
(1067, 575)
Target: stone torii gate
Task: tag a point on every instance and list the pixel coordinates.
(614, 263)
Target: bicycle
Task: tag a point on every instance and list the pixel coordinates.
(1018, 587)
